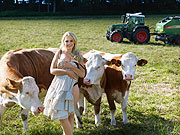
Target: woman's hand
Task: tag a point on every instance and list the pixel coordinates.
(72, 74)
(66, 65)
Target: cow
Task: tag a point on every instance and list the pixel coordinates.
(93, 92)
(114, 80)
(24, 75)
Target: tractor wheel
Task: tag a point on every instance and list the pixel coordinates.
(177, 40)
(107, 35)
(116, 36)
(141, 36)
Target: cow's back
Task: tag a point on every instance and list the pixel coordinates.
(28, 62)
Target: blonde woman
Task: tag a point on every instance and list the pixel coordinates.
(63, 93)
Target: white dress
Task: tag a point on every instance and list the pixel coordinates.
(59, 101)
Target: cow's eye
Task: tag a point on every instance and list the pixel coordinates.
(27, 93)
(123, 66)
(97, 68)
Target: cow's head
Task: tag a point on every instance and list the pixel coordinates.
(95, 69)
(26, 95)
(128, 63)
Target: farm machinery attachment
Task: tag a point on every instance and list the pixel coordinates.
(168, 30)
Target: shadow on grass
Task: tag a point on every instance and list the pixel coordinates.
(151, 43)
(162, 44)
(141, 125)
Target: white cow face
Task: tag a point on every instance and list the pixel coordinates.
(28, 97)
(95, 69)
(129, 62)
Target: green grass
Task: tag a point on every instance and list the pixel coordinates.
(154, 100)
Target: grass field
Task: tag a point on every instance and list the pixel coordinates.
(154, 100)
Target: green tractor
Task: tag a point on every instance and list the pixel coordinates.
(132, 28)
(168, 30)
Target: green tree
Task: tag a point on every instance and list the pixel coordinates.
(8, 4)
(40, 5)
(0, 5)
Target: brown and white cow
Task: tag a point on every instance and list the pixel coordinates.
(22, 73)
(114, 80)
(91, 89)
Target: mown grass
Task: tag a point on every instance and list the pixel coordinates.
(154, 100)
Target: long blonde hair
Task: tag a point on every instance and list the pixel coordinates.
(75, 52)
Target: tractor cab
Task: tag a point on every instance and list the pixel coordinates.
(134, 18)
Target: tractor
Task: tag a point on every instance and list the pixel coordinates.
(168, 30)
(132, 28)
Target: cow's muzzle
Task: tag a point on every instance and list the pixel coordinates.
(39, 110)
(87, 81)
(128, 77)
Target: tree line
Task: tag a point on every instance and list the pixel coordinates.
(92, 6)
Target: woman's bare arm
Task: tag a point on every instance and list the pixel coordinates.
(56, 71)
(78, 71)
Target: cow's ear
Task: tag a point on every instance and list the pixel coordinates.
(113, 61)
(110, 62)
(9, 94)
(104, 61)
(118, 63)
(142, 62)
(15, 84)
(84, 60)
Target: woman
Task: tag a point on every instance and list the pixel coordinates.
(63, 93)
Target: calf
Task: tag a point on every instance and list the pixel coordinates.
(115, 81)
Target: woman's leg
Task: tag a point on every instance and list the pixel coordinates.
(67, 128)
(71, 121)
(75, 92)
